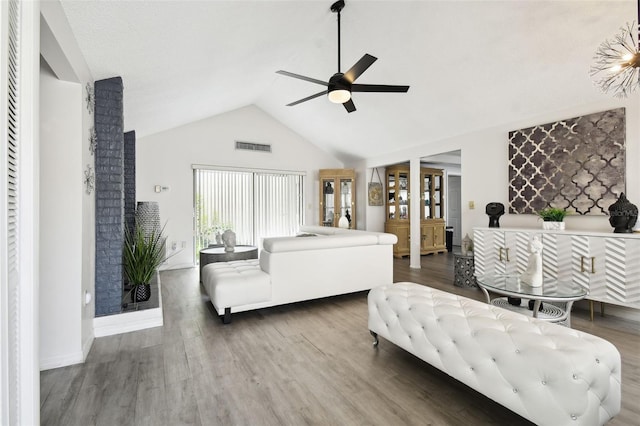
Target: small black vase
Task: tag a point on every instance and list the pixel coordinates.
(623, 215)
(141, 293)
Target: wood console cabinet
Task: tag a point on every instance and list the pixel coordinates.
(337, 197)
(432, 224)
(604, 264)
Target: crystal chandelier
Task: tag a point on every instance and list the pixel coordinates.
(617, 62)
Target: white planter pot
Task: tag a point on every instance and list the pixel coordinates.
(553, 226)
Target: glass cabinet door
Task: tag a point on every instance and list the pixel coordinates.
(391, 191)
(328, 202)
(426, 196)
(438, 208)
(345, 199)
(403, 195)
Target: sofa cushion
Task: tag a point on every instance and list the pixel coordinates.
(236, 283)
(287, 244)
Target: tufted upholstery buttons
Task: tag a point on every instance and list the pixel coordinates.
(509, 351)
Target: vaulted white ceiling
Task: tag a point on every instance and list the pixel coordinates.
(470, 64)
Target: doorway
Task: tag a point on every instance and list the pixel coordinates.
(454, 183)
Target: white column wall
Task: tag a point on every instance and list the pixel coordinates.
(60, 221)
(60, 49)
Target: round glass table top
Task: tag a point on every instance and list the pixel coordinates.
(551, 289)
(220, 249)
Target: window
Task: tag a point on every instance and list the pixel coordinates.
(254, 204)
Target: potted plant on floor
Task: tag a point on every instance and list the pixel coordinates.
(143, 254)
(552, 218)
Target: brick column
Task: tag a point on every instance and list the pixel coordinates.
(130, 179)
(109, 159)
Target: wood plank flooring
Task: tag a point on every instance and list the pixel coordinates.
(306, 363)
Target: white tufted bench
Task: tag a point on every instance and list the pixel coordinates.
(235, 283)
(549, 374)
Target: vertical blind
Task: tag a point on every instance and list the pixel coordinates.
(252, 204)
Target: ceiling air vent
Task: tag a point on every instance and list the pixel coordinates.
(249, 146)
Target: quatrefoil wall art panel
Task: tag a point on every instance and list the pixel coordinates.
(576, 164)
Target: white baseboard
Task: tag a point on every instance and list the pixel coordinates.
(62, 361)
(127, 322)
(87, 347)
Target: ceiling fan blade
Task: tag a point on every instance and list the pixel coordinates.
(349, 106)
(359, 67)
(378, 88)
(308, 98)
(302, 77)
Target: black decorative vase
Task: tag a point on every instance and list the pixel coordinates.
(515, 301)
(623, 215)
(494, 210)
(141, 293)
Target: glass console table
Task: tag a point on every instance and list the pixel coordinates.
(551, 291)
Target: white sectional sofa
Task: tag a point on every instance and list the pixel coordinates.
(320, 262)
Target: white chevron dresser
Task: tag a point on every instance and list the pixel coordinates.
(607, 265)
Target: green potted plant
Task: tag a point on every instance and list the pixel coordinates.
(143, 254)
(552, 218)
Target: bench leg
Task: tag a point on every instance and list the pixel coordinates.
(375, 338)
(226, 318)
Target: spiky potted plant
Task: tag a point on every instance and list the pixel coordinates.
(143, 254)
(552, 218)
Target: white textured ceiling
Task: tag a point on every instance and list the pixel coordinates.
(470, 64)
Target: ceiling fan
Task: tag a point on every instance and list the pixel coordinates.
(341, 85)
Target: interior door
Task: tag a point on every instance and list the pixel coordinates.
(454, 206)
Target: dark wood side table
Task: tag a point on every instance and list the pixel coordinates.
(214, 254)
(464, 270)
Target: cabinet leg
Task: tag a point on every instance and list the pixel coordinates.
(591, 310)
(601, 309)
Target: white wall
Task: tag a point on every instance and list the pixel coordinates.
(485, 164)
(485, 171)
(166, 159)
(60, 49)
(60, 221)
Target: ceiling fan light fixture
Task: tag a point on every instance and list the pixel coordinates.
(339, 96)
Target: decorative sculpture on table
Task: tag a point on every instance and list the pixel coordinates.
(494, 210)
(533, 274)
(467, 245)
(623, 215)
(229, 240)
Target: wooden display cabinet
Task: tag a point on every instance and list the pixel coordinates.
(337, 197)
(432, 224)
(433, 236)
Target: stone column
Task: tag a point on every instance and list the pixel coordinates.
(109, 159)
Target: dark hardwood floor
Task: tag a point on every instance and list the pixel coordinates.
(306, 363)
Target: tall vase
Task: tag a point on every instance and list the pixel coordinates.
(148, 217)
